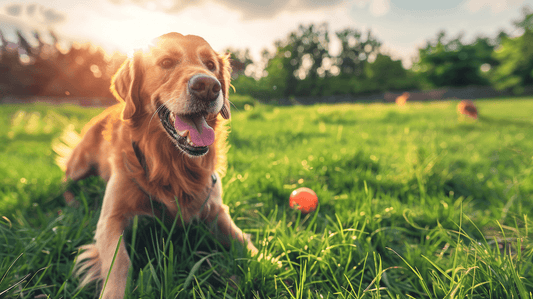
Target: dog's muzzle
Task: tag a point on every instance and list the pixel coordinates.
(204, 88)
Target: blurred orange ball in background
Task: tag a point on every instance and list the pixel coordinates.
(467, 107)
(303, 199)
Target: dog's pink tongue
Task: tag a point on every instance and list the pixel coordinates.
(200, 132)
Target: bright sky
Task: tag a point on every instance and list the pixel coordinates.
(402, 25)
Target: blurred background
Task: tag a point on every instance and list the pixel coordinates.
(284, 52)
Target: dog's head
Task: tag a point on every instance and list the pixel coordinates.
(184, 81)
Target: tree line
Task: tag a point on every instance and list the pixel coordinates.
(50, 70)
(301, 64)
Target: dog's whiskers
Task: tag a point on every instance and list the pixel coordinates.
(234, 107)
(156, 112)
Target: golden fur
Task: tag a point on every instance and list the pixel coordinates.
(156, 78)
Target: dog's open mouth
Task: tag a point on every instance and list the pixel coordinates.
(190, 133)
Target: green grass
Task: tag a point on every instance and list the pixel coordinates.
(415, 202)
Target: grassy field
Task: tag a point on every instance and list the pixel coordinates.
(415, 202)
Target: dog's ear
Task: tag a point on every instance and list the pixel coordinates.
(225, 74)
(126, 85)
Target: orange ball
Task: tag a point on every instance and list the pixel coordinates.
(303, 199)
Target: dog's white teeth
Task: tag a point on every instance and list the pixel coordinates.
(172, 117)
(190, 141)
(183, 133)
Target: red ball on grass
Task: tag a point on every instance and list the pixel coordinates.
(304, 200)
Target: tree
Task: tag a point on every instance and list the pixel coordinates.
(279, 77)
(346, 72)
(45, 70)
(386, 74)
(355, 51)
(240, 60)
(301, 65)
(298, 60)
(452, 63)
(515, 57)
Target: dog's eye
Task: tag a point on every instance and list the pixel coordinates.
(210, 65)
(167, 63)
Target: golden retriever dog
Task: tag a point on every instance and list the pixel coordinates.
(164, 143)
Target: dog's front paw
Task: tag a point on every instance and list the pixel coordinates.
(251, 248)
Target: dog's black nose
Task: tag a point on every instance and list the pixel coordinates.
(204, 87)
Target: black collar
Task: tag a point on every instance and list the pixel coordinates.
(140, 157)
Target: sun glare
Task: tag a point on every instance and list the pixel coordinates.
(130, 27)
